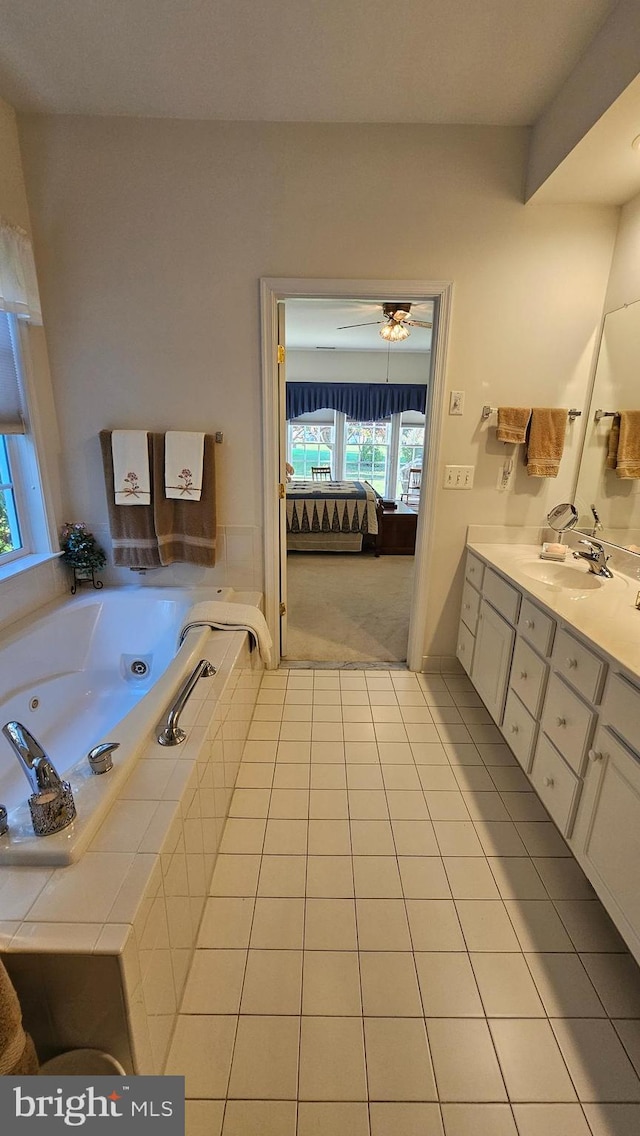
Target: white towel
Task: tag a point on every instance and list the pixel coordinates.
(183, 454)
(228, 616)
(131, 480)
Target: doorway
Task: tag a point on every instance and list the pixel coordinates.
(273, 294)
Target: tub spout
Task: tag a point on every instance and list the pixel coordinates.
(51, 801)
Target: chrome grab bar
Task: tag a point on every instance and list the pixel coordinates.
(172, 735)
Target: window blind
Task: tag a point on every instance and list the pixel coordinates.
(11, 405)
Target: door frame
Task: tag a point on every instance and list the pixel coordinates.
(276, 289)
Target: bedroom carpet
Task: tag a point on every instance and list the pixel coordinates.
(348, 608)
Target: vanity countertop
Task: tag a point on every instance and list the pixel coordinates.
(603, 611)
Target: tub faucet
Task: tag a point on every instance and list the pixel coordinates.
(51, 802)
(596, 558)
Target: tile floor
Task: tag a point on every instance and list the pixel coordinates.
(398, 942)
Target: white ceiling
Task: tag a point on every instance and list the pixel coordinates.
(439, 61)
(313, 324)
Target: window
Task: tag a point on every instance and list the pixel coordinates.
(411, 454)
(367, 453)
(310, 444)
(10, 537)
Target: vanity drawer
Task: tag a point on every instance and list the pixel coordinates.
(474, 570)
(464, 650)
(556, 785)
(621, 709)
(584, 670)
(501, 595)
(470, 606)
(519, 730)
(536, 626)
(568, 722)
(528, 676)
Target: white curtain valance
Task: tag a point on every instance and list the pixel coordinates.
(18, 282)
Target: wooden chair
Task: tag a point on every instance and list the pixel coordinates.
(321, 473)
(412, 492)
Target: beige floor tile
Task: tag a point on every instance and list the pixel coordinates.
(368, 804)
(463, 753)
(445, 806)
(401, 777)
(423, 877)
(249, 803)
(273, 983)
(329, 877)
(486, 806)
(358, 724)
(361, 752)
(372, 838)
(457, 838)
(510, 779)
(506, 986)
(201, 1052)
(531, 1060)
(486, 925)
(377, 877)
(613, 1119)
(480, 1120)
(398, 1061)
(538, 925)
(407, 804)
(524, 807)
(365, 777)
(255, 775)
(429, 753)
(265, 713)
(563, 878)
(470, 878)
(405, 1118)
(266, 1117)
(265, 1059)
(385, 712)
(328, 775)
(324, 713)
(616, 978)
(330, 752)
(473, 779)
(628, 1030)
(439, 778)
(448, 985)
(278, 924)
(598, 1064)
(295, 731)
(382, 925)
(282, 876)
(331, 984)
(286, 837)
(330, 925)
(389, 984)
(434, 925)
(214, 984)
(293, 776)
(226, 922)
(332, 1064)
(260, 751)
(289, 804)
(517, 878)
(544, 1119)
(329, 838)
(204, 1117)
(326, 732)
(235, 875)
(423, 733)
(329, 1118)
(564, 986)
(542, 839)
(241, 835)
(589, 926)
(464, 1060)
(397, 732)
(499, 838)
(328, 804)
(395, 753)
(414, 838)
(494, 753)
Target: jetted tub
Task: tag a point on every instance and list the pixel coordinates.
(99, 667)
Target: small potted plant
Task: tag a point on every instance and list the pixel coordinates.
(82, 553)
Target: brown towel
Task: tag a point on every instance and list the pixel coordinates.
(614, 441)
(545, 441)
(135, 544)
(17, 1051)
(512, 423)
(628, 462)
(186, 530)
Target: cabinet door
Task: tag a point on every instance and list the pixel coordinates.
(492, 659)
(606, 838)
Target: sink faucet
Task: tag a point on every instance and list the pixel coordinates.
(51, 802)
(596, 558)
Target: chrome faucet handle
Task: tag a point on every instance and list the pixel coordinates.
(51, 803)
(99, 757)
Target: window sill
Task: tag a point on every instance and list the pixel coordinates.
(24, 563)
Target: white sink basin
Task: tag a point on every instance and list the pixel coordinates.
(571, 575)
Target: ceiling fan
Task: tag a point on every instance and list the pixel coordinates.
(394, 325)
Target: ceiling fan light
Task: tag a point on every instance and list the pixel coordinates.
(394, 332)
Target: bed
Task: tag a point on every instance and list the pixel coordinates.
(330, 516)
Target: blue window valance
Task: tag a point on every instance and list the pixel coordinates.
(364, 402)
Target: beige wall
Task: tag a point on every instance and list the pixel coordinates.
(624, 281)
(145, 229)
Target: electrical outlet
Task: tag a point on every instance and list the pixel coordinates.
(456, 402)
(458, 476)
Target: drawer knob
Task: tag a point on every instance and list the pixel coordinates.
(523, 675)
(561, 721)
(595, 755)
(514, 728)
(529, 623)
(548, 781)
(572, 664)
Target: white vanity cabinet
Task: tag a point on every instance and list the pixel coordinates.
(473, 577)
(494, 639)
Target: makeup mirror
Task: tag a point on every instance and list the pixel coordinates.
(562, 518)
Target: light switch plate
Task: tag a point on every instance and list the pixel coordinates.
(458, 476)
(456, 402)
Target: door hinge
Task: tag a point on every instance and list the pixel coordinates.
(281, 491)
(281, 353)
(283, 609)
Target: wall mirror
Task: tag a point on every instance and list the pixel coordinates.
(608, 506)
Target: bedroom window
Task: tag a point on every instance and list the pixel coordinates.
(310, 444)
(411, 453)
(367, 453)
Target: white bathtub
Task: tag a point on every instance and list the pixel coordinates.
(68, 678)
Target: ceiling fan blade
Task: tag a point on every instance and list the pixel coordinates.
(370, 323)
(418, 323)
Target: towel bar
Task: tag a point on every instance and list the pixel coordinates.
(487, 411)
(604, 414)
